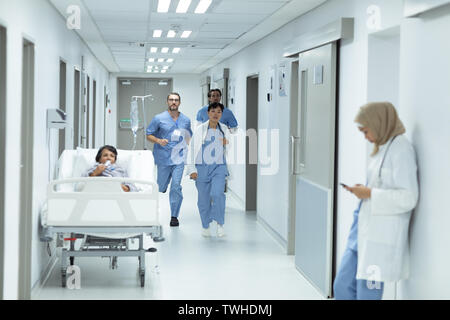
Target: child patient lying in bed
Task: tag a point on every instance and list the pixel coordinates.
(106, 167)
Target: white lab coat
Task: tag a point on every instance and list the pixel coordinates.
(383, 223)
(197, 141)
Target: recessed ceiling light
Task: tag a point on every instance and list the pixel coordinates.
(156, 71)
(170, 60)
(153, 49)
(176, 50)
(183, 6)
(156, 67)
(186, 34)
(163, 6)
(157, 33)
(163, 71)
(171, 34)
(203, 6)
(151, 60)
(165, 50)
(161, 60)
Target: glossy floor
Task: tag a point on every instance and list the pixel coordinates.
(246, 264)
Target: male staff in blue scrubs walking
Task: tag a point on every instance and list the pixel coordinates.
(228, 119)
(170, 131)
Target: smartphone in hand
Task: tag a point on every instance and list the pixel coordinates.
(344, 185)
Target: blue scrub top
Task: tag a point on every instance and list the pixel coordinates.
(213, 151)
(164, 127)
(227, 119)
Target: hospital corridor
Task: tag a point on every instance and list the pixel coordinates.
(246, 263)
(224, 150)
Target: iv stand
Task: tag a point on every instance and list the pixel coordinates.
(143, 112)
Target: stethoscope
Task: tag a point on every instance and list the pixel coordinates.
(384, 157)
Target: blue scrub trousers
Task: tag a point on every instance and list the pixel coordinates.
(210, 185)
(174, 173)
(346, 286)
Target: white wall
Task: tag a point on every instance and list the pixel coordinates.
(425, 109)
(40, 23)
(423, 106)
(259, 57)
(187, 85)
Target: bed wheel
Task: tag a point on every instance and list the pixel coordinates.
(142, 280)
(63, 279)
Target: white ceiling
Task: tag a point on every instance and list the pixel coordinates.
(120, 32)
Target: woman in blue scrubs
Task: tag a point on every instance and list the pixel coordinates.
(208, 167)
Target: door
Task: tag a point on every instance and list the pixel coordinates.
(82, 113)
(205, 90)
(62, 104)
(26, 169)
(88, 113)
(76, 110)
(94, 112)
(2, 147)
(251, 169)
(314, 166)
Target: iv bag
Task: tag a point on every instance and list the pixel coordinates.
(134, 117)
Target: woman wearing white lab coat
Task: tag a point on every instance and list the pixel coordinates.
(207, 164)
(377, 249)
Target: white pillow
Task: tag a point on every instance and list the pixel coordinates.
(141, 165)
(123, 159)
(85, 159)
(66, 164)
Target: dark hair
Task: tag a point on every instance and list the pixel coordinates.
(174, 94)
(215, 105)
(110, 148)
(212, 90)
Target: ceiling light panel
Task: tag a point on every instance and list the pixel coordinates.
(183, 6)
(163, 6)
(176, 50)
(186, 34)
(153, 49)
(165, 50)
(203, 6)
(157, 33)
(171, 34)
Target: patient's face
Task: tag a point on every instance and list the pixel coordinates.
(107, 155)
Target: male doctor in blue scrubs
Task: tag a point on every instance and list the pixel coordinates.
(170, 131)
(228, 119)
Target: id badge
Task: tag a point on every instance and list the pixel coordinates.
(177, 133)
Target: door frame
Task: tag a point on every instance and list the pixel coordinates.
(76, 107)
(3, 94)
(294, 103)
(249, 78)
(26, 174)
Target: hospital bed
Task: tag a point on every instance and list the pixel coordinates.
(97, 212)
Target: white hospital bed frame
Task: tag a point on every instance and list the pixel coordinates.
(101, 237)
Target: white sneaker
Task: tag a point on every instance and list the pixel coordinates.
(206, 232)
(220, 231)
